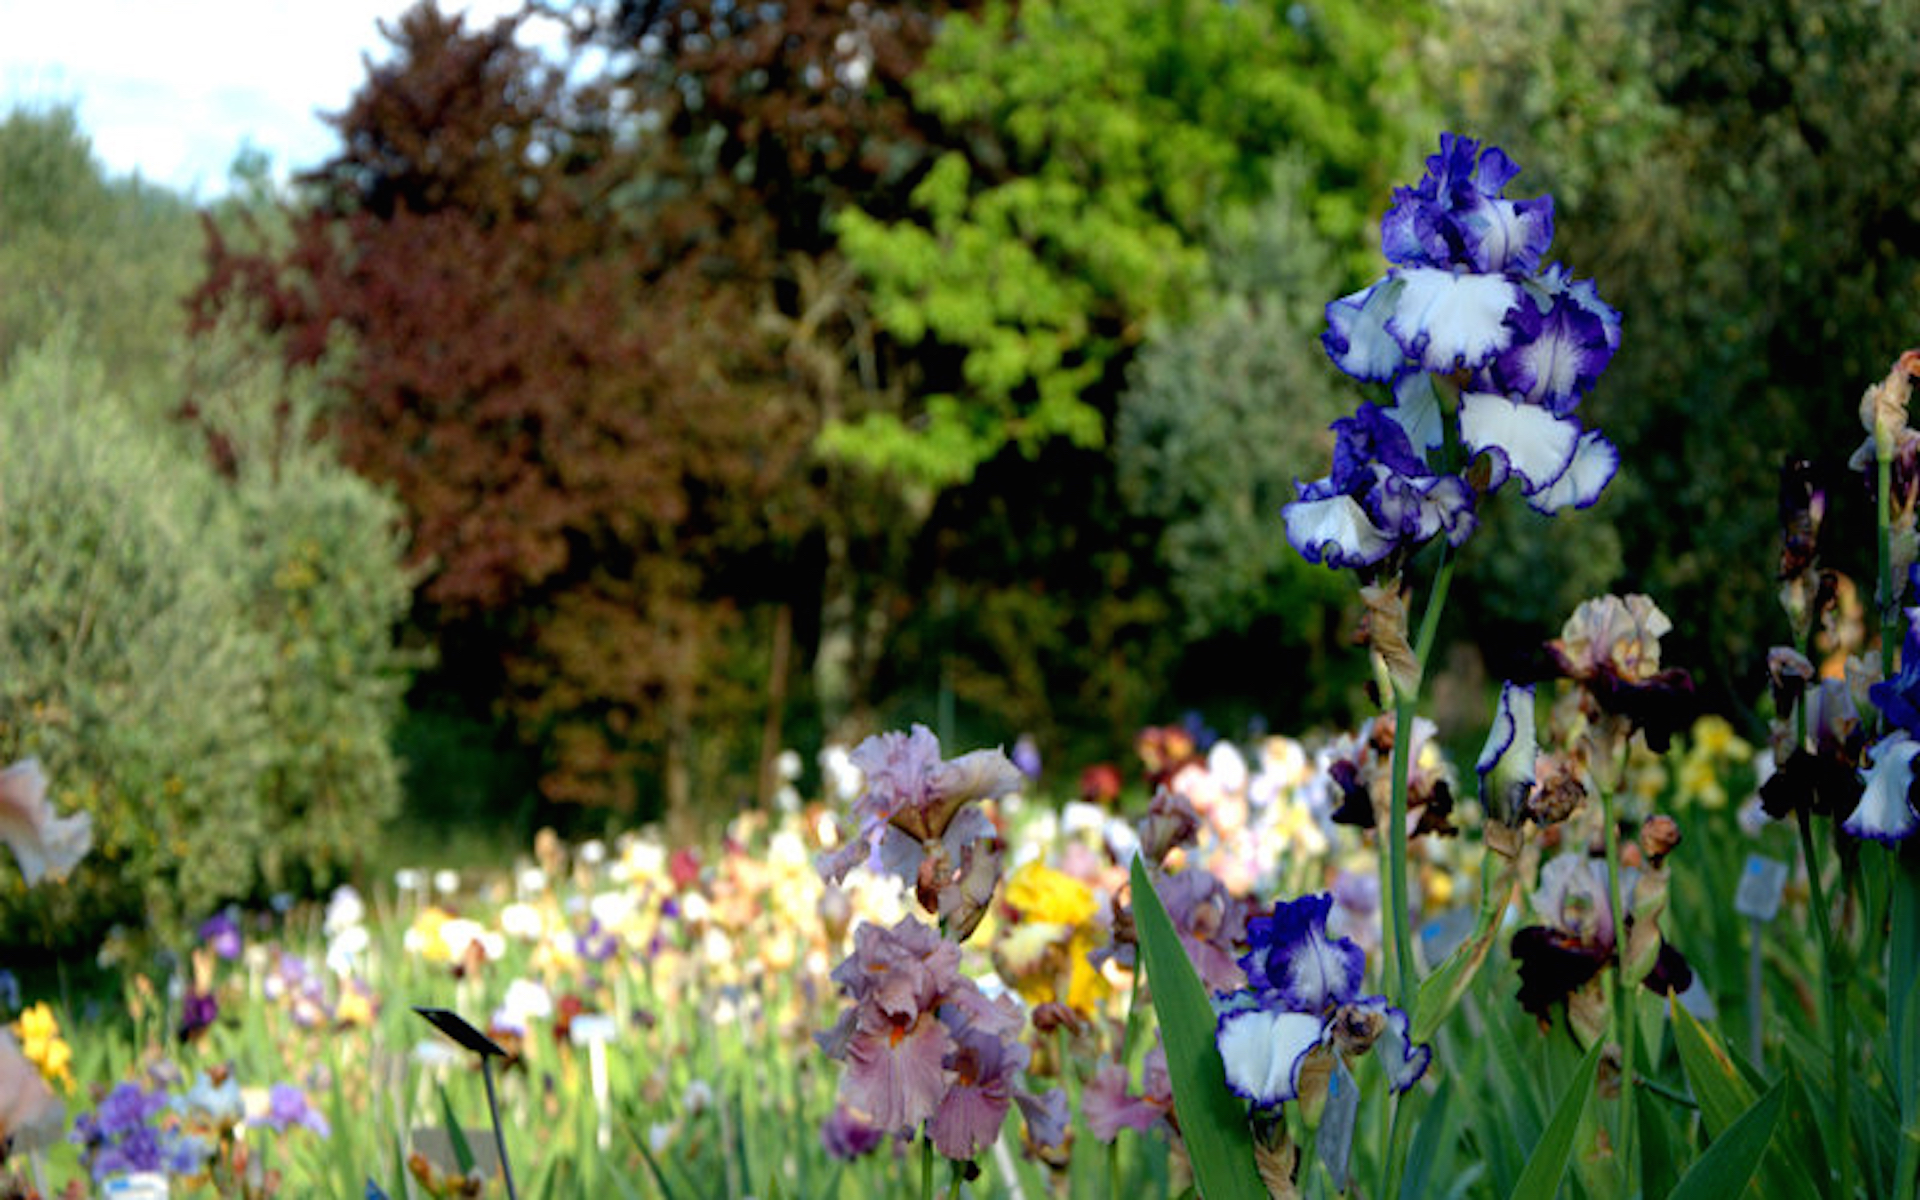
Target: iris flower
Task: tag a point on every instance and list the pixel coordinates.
(919, 820)
(1886, 812)
(1610, 646)
(1467, 327)
(923, 1044)
(1302, 1006)
(1561, 960)
(30, 1114)
(44, 845)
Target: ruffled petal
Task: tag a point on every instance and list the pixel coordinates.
(1404, 1061)
(1522, 439)
(1595, 460)
(1263, 1051)
(1506, 235)
(896, 1076)
(1335, 530)
(1446, 322)
(46, 846)
(1290, 956)
(977, 775)
(1357, 339)
(1559, 349)
(1416, 409)
(1885, 813)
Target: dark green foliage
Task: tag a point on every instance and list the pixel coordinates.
(1739, 179)
(317, 569)
(205, 665)
(1223, 415)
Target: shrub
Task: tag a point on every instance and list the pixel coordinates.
(205, 664)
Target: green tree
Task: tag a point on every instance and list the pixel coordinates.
(115, 256)
(317, 567)
(130, 667)
(1223, 414)
(1090, 148)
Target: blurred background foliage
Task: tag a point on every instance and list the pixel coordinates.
(581, 434)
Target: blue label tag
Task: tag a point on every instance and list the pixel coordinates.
(1760, 886)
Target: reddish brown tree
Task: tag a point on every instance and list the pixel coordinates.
(771, 120)
(567, 413)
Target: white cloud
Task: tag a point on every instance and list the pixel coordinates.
(174, 89)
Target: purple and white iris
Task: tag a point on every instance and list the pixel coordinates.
(1302, 1004)
(1886, 812)
(1466, 318)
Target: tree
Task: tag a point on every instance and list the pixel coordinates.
(1738, 180)
(555, 406)
(1222, 414)
(113, 255)
(1089, 147)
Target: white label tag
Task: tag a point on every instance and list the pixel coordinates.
(1760, 886)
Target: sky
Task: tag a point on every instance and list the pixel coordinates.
(174, 89)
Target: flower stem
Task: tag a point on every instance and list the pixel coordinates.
(1836, 1024)
(926, 1164)
(1398, 924)
(1395, 845)
(1394, 837)
(1889, 615)
(1126, 1064)
(1622, 999)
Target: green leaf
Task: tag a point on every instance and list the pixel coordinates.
(1729, 1164)
(1903, 996)
(1725, 1093)
(659, 1176)
(1440, 992)
(1212, 1119)
(1426, 1143)
(1548, 1162)
(1658, 1170)
(1717, 1084)
(456, 1136)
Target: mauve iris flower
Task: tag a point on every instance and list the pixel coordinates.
(918, 820)
(1110, 1106)
(921, 1043)
(45, 846)
(30, 1115)
(1210, 922)
(1467, 325)
(845, 1136)
(221, 933)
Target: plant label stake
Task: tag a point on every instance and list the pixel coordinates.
(594, 1031)
(454, 1026)
(1333, 1141)
(1758, 900)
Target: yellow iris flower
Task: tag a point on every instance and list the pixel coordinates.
(1054, 907)
(43, 1046)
